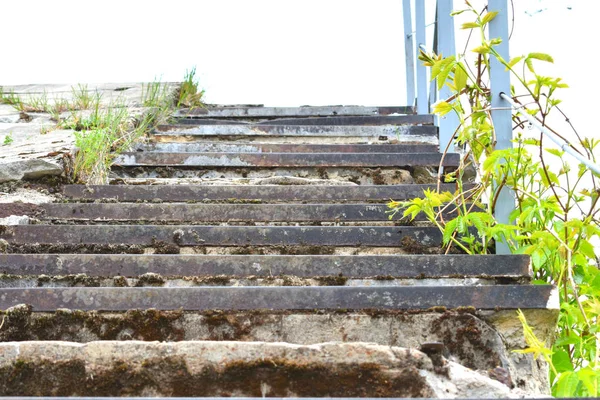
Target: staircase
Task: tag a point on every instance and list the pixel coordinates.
(246, 251)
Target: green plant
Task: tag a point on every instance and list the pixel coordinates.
(11, 98)
(83, 99)
(556, 215)
(8, 139)
(156, 94)
(188, 95)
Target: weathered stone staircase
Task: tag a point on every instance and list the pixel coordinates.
(247, 251)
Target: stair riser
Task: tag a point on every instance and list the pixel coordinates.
(347, 175)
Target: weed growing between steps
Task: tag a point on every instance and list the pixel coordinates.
(556, 214)
(103, 131)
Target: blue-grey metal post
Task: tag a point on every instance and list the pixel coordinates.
(422, 98)
(409, 53)
(446, 47)
(501, 111)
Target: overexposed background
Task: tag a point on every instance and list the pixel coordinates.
(273, 52)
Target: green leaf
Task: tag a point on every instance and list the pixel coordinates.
(481, 49)
(442, 108)
(457, 12)
(590, 379)
(556, 152)
(529, 65)
(514, 61)
(488, 17)
(470, 25)
(446, 67)
(568, 385)
(561, 361)
(460, 78)
(587, 249)
(449, 230)
(541, 57)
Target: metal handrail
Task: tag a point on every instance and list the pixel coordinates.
(564, 146)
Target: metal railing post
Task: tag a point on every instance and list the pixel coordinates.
(501, 111)
(422, 98)
(409, 53)
(446, 47)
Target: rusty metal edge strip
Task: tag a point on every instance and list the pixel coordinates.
(282, 298)
(370, 120)
(252, 192)
(216, 212)
(200, 147)
(259, 160)
(222, 236)
(395, 266)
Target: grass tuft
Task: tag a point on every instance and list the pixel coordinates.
(188, 95)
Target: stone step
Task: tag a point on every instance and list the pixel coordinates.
(278, 112)
(515, 267)
(486, 297)
(194, 235)
(254, 193)
(321, 160)
(362, 120)
(230, 369)
(400, 133)
(220, 147)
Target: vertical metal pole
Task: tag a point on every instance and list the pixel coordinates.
(422, 107)
(446, 47)
(501, 111)
(409, 53)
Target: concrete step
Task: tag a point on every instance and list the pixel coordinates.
(509, 267)
(487, 297)
(250, 193)
(220, 147)
(278, 112)
(230, 369)
(254, 160)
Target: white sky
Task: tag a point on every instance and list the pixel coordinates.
(273, 52)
